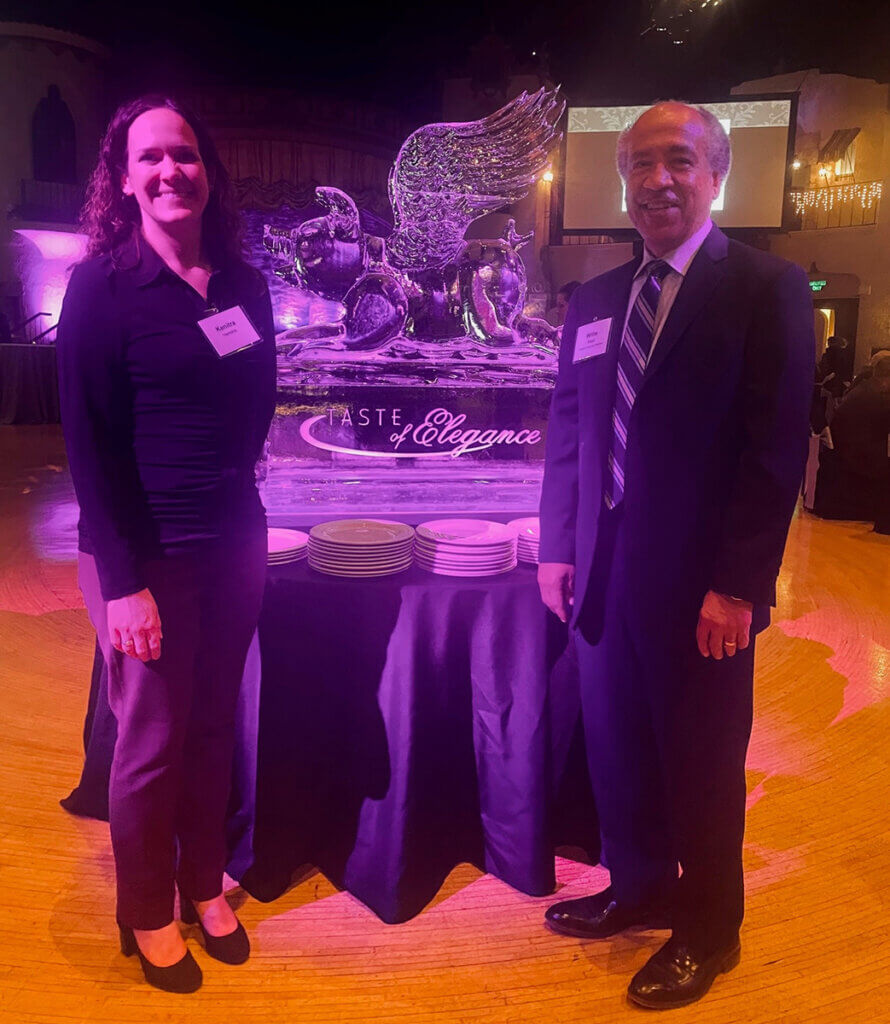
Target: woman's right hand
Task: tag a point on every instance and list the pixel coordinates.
(134, 626)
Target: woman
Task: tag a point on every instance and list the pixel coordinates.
(167, 375)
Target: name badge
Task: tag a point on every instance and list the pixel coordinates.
(592, 339)
(229, 331)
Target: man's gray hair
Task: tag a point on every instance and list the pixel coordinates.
(716, 140)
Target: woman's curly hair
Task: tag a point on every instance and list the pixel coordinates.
(109, 217)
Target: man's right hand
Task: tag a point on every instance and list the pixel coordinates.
(134, 626)
(557, 583)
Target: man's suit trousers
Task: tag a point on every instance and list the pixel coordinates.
(667, 733)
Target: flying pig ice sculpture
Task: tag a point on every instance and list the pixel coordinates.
(425, 290)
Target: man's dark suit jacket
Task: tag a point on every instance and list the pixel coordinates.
(717, 439)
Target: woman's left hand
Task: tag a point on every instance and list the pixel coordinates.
(134, 626)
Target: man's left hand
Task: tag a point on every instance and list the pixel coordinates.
(724, 625)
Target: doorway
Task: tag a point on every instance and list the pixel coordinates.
(837, 317)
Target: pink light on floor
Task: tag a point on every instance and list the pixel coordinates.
(860, 661)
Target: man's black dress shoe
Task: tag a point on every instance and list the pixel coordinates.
(600, 915)
(677, 976)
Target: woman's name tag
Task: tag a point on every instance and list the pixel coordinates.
(229, 331)
(592, 339)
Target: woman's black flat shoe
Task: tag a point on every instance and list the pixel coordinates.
(182, 977)
(233, 948)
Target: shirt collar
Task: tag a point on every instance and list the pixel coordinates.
(680, 259)
(136, 257)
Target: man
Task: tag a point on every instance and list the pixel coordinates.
(675, 449)
(556, 316)
(860, 431)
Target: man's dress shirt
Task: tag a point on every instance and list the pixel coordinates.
(679, 260)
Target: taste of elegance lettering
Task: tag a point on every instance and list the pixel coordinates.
(442, 428)
(440, 434)
(365, 417)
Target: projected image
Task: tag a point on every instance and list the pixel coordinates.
(752, 196)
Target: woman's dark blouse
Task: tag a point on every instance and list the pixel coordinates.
(162, 433)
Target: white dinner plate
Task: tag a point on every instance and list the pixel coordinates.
(465, 550)
(360, 554)
(366, 532)
(362, 551)
(464, 563)
(466, 532)
(285, 540)
(528, 528)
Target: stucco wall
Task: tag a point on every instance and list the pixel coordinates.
(33, 57)
(827, 103)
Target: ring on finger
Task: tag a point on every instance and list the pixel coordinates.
(730, 643)
(129, 643)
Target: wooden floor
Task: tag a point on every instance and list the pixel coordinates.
(816, 941)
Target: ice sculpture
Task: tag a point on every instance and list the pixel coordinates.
(425, 292)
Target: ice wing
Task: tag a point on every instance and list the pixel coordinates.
(448, 175)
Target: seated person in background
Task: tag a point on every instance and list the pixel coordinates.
(867, 371)
(861, 433)
(556, 315)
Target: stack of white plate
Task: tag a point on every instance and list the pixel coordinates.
(528, 542)
(465, 547)
(360, 547)
(287, 546)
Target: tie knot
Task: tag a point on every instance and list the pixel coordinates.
(658, 269)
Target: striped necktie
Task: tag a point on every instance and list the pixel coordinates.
(636, 344)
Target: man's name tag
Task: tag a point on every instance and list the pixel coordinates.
(229, 331)
(592, 339)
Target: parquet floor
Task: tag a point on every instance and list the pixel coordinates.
(816, 942)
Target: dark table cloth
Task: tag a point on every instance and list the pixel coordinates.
(29, 384)
(403, 725)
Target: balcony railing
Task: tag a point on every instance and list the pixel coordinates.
(836, 206)
(53, 201)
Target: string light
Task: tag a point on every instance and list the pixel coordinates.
(867, 194)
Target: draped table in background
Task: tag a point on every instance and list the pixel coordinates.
(392, 728)
(29, 384)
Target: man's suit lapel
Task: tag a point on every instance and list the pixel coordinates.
(705, 272)
(614, 305)
(598, 393)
